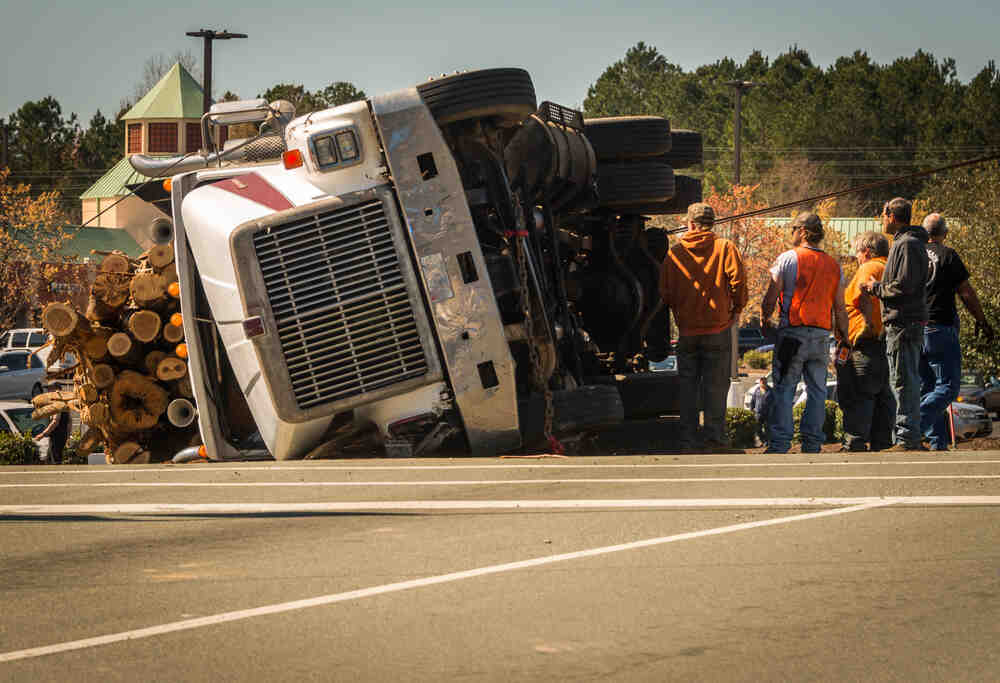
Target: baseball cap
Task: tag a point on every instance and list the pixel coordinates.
(701, 213)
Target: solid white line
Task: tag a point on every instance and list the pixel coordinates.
(477, 482)
(438, 505)
(217, 467)
(406, 585)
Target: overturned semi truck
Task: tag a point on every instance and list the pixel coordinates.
(447, 264)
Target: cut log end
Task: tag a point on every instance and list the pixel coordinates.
(161, 255)
(148, 289)
(115, 262)
(145, 325)
(119, 344)
(171, 368)
(104, 376)
(173, 333)
(62, 320)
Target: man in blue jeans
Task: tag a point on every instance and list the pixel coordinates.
(941, 361)
(808, 283)
(903, 293)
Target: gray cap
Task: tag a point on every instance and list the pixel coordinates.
(701, 213)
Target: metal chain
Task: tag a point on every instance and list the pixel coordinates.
(541, 381)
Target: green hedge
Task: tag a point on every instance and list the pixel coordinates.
(18, 450)
(833, 423)
(758, 360)
(741, 426)
(70, 456)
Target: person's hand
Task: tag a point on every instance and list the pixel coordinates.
(868, 285)
(985, 330)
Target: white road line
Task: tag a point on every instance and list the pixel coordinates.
(439, 505)
(222, 467)
(415, 583)
(476, 482)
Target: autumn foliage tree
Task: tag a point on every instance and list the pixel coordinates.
(758, 241)
(31, 234)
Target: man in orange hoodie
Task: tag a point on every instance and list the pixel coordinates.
(704, 284)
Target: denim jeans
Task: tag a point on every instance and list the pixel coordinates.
(799, 353)
(703, 373)
(940, 379)
(865, 397)
(903, 346)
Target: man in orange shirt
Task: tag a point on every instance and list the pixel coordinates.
(863, 389)
(704, 284)
(807, 283)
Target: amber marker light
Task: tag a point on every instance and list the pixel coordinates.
(203, 452)
(181, 350)
(292, 159)
(167, 184)
(174, 289)
(177, 320)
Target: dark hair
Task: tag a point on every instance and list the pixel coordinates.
(900, 210)
(875, 242)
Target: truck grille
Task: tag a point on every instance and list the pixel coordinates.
(338, 295)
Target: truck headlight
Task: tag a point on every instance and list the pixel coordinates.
(348, 145)
(326, 153)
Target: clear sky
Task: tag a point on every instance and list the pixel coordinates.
(90, 55)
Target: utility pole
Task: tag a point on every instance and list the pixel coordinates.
(210, 35)
(740, 87)
(3, 144)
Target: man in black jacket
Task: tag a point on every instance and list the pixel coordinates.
(903, 293)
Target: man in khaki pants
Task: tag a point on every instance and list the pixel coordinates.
(704, 284)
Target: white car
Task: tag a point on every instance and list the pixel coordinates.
(15, 418)
(27, 338)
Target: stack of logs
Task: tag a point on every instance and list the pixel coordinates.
(131, 353)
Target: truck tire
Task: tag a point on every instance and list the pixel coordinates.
(575, 410)
(687, 191)
(686, 149)
(634, 187)
(628, 137)
(506, 94)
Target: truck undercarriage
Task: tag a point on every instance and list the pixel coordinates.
(446, 264)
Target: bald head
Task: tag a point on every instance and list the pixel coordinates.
(935, 226)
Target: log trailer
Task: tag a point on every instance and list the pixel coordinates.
(446, 264)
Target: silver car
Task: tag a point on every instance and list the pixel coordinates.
(22, 374)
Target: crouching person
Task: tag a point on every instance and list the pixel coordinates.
(863, 389)
(704, 284)
(807, 282)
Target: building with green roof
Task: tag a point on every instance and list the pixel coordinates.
(166, 121)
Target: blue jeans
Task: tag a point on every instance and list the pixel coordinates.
(940, 378)
(903, 346)
(799, 353)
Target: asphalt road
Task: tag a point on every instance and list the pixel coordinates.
(741, 567)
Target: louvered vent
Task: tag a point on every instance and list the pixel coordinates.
(338, 295)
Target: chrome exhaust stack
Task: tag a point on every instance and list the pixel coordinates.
(273, 117)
